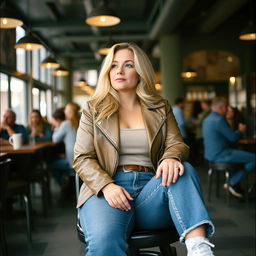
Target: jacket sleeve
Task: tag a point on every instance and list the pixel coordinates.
(85, 158)
(174, 146)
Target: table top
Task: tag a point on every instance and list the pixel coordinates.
(25, 149)
(247, 141)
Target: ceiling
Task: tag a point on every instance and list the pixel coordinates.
(61, 23)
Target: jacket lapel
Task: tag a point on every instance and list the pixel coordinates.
(110, 129)
(154, 117)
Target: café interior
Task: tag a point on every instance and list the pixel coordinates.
(51, 54)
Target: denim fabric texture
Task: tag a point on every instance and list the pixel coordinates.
(218, 137)
(154, 206)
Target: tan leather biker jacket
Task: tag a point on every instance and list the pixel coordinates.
(96, 152)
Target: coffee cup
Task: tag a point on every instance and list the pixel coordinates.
(16, 140)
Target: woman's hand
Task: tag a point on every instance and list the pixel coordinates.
(117, 197)
(170, 169)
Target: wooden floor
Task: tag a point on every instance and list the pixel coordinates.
(56, 234)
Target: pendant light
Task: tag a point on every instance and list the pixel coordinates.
(9, 18)
(249, 32)
(104, 49)
(82, 82)
(102, 16)
(189, 73)
(49, 62)
(88, 89)
(29, 42)
(60, 71)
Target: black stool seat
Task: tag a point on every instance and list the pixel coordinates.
(218, 167)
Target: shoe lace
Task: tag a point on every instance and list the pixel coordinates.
(203, 249)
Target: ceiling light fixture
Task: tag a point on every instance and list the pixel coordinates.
(189, 73)
(29, 42)
(60, 71)
(104, 49)
(9, 18)
(102, 16)
(49, 62)
(249, 32)
(82, 82)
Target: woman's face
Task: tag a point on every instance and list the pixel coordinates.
(34, 118)
(230, 113)
(123, 76)
(68, 112)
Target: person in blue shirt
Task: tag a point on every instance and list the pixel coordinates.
(8, 127)
(218, 138)
(179, 116)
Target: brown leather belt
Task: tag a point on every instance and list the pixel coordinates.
(137, 168)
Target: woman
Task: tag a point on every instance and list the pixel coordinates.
(66, 132)
(38, 129)
(129, 154)
(234, 117)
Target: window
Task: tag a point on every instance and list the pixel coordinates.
(20, 53)
(42, 54)
(35, 94)
(43, 109)
(49, 103)
(4, 93)
(18, 99)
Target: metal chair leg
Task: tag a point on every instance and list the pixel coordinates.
(28, 217)
(209, 184)
(227, 182)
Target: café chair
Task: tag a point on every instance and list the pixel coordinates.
(140, 239)
(227, 169)
(4, 172)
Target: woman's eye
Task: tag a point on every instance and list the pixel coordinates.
(128, 65)
(113, 66)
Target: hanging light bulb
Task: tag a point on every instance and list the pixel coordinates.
(102, 16)
(104, 49)
(28, 42)
(9, 18)
(82, 82)
(189, 73)
(60, 71)
(49, 62)
(249, 32)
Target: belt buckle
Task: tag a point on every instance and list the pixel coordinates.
(124, 170)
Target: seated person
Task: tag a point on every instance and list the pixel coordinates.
(8, 127)
(66, 132)
(218, 136)
(234, 117)
(38, 128)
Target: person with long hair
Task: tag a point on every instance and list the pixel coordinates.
(39, 129)
(130, 156)
(66, 132)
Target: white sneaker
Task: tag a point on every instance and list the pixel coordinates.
(232, 190)
(199, 246)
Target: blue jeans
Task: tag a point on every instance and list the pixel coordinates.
(154, 206)
(243, 157)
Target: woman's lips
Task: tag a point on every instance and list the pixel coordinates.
(120, 79)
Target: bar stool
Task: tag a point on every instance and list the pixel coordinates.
(226, 168)
(141, 238)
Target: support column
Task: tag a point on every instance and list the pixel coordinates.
(66, 81)
(170, 66)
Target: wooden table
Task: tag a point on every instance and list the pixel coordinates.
(25, 149)
(247, 141)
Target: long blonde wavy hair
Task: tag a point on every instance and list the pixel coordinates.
(105, 100)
